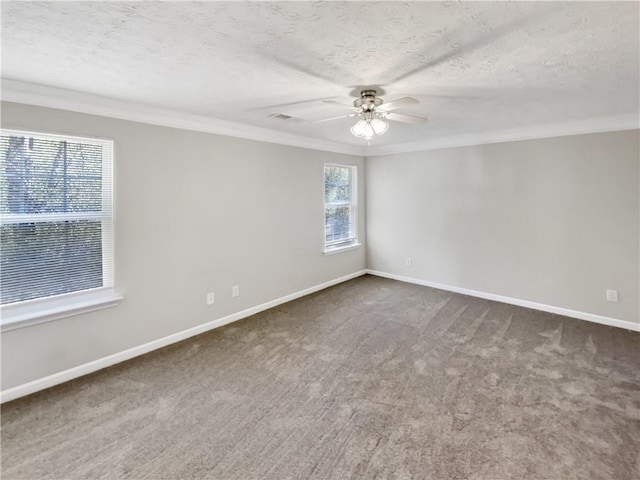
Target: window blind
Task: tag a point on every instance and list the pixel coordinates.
(56, 215)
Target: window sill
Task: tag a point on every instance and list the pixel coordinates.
(342, 248)
(25, 314)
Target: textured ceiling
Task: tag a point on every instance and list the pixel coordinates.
(474, 66)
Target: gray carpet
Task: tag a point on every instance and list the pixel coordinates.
(369, 379)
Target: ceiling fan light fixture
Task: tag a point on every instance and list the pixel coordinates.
(369, 127)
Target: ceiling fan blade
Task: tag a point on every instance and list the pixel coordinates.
(336, 118)
(399, 117)
(395, 104)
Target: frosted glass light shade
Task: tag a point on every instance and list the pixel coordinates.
(369, 127)
(358, 128)
(379, 127)
(369, 132)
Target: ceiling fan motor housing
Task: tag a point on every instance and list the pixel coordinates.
(367, 101)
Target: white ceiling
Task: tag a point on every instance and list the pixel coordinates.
(475, 67)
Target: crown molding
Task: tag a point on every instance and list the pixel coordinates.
(52, 97)
(580, 127)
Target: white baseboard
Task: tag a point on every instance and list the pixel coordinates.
(95, 365)
(612, 322)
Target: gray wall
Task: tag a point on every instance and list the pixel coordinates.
(195, 213)
(552, 221)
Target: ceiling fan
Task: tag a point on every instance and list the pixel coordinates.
(373, 112)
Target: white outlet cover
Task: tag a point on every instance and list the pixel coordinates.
(612, 295)
(211, 298)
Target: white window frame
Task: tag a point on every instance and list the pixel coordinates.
(351, 243)
(29, 312)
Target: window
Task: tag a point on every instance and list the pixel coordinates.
(340, 207)
(56, 223)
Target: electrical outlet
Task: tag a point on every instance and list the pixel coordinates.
(211, 298)
(612, 295)
(408, 262)
(235, 291)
